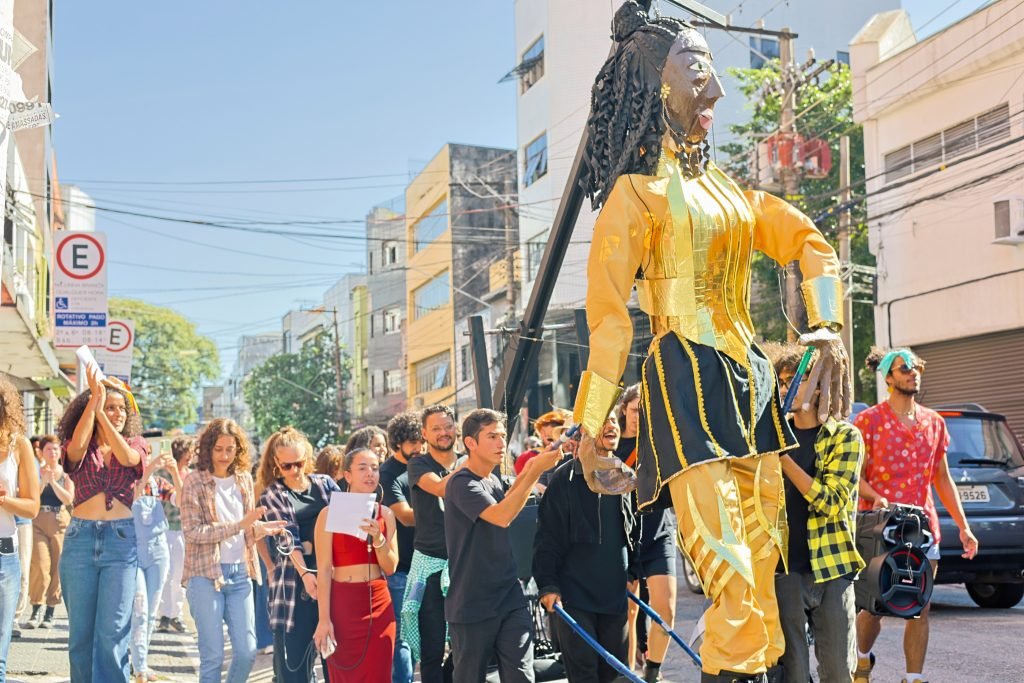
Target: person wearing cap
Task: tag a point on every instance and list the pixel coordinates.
(905, 455)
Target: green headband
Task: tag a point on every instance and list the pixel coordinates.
(888, 359)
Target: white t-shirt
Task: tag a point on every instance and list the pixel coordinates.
(230, 509)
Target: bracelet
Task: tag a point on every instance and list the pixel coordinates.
(385, 540)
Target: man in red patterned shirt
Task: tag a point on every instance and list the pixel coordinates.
(905, 455)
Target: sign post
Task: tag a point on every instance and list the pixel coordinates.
(80, 289)
(115, 359)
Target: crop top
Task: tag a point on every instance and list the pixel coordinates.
(92, 476)
(348, 550)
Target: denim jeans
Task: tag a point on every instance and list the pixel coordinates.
(211, 609)
(10, 588)
(261, 598)
(172, 598)
(830, 606)
(149, 584)
(98, 568)
(401, 667)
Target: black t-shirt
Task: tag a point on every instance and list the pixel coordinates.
(484, 581)
(797, 508)
(307, 507)
(429, 509)
(394, 480)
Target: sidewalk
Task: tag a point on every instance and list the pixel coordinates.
(41, 656)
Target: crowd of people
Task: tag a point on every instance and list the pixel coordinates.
(129, 534)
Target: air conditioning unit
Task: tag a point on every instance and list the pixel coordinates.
(1009, 220)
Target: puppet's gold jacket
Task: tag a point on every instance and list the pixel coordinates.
(687, 247)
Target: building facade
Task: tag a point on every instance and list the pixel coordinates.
(943, 138)
(32, 213)
(253, 351)
(385, 280)
(459, 221)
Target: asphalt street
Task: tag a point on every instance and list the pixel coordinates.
(968, 644)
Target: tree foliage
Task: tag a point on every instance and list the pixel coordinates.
(171, 361)
(297, 389)
(825, 107)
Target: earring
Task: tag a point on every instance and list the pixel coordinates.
(665, 90)
(889, 388)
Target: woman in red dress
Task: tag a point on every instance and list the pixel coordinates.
(356, 614)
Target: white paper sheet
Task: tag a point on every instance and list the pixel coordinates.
(346, 513)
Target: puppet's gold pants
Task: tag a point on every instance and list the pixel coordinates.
(732, 528)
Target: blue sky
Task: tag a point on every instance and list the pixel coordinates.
(233, 90)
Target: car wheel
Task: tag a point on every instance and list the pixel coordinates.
(996, 595)
(690, 577)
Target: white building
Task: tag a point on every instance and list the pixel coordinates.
(943, 131)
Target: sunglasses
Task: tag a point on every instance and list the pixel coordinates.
(289, 466)
(909, 370)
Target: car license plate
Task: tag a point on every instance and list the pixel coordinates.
(973, 494)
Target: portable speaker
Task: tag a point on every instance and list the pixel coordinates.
(898, 579)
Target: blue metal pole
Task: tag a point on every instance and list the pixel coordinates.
(661, 622)
(589, 640)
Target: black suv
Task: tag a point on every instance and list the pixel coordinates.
(987, 464)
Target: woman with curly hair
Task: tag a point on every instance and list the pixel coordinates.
(373, 438)
(103, 455)
(295, 495)
(19, 495)
(220, 521)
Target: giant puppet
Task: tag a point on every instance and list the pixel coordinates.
(677, 228)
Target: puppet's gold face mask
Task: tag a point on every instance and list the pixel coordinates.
(689, 90)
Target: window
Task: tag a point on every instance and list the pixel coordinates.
(466, 353)
(373, 384)
(897, 164)
(371, 324)
(532, 67)
(389, 253)
(994, 125)
(534, 253)
(431, 296)
(536, 160)
(392, 320)
(761, 50)
(431, 226)
(433, 373)
(963, 138)
(370, 269)
(843, 57)
(392, 382)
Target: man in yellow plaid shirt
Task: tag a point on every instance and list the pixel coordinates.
(822, 560)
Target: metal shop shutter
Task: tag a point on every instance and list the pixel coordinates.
(988, 370)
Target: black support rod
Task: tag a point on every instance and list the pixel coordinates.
(481, 370)
(521, 354)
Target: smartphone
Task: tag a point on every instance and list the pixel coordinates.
(328, 647)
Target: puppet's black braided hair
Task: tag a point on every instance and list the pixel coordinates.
(627, 123)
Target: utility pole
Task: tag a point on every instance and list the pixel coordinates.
(845, 259)
(511, 245)
(790, 174)
(339, 396)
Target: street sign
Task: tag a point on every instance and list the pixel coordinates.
(116, 358)
(24, 115)
(80, 289)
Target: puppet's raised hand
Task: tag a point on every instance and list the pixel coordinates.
(830, 375)
(603, 472)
